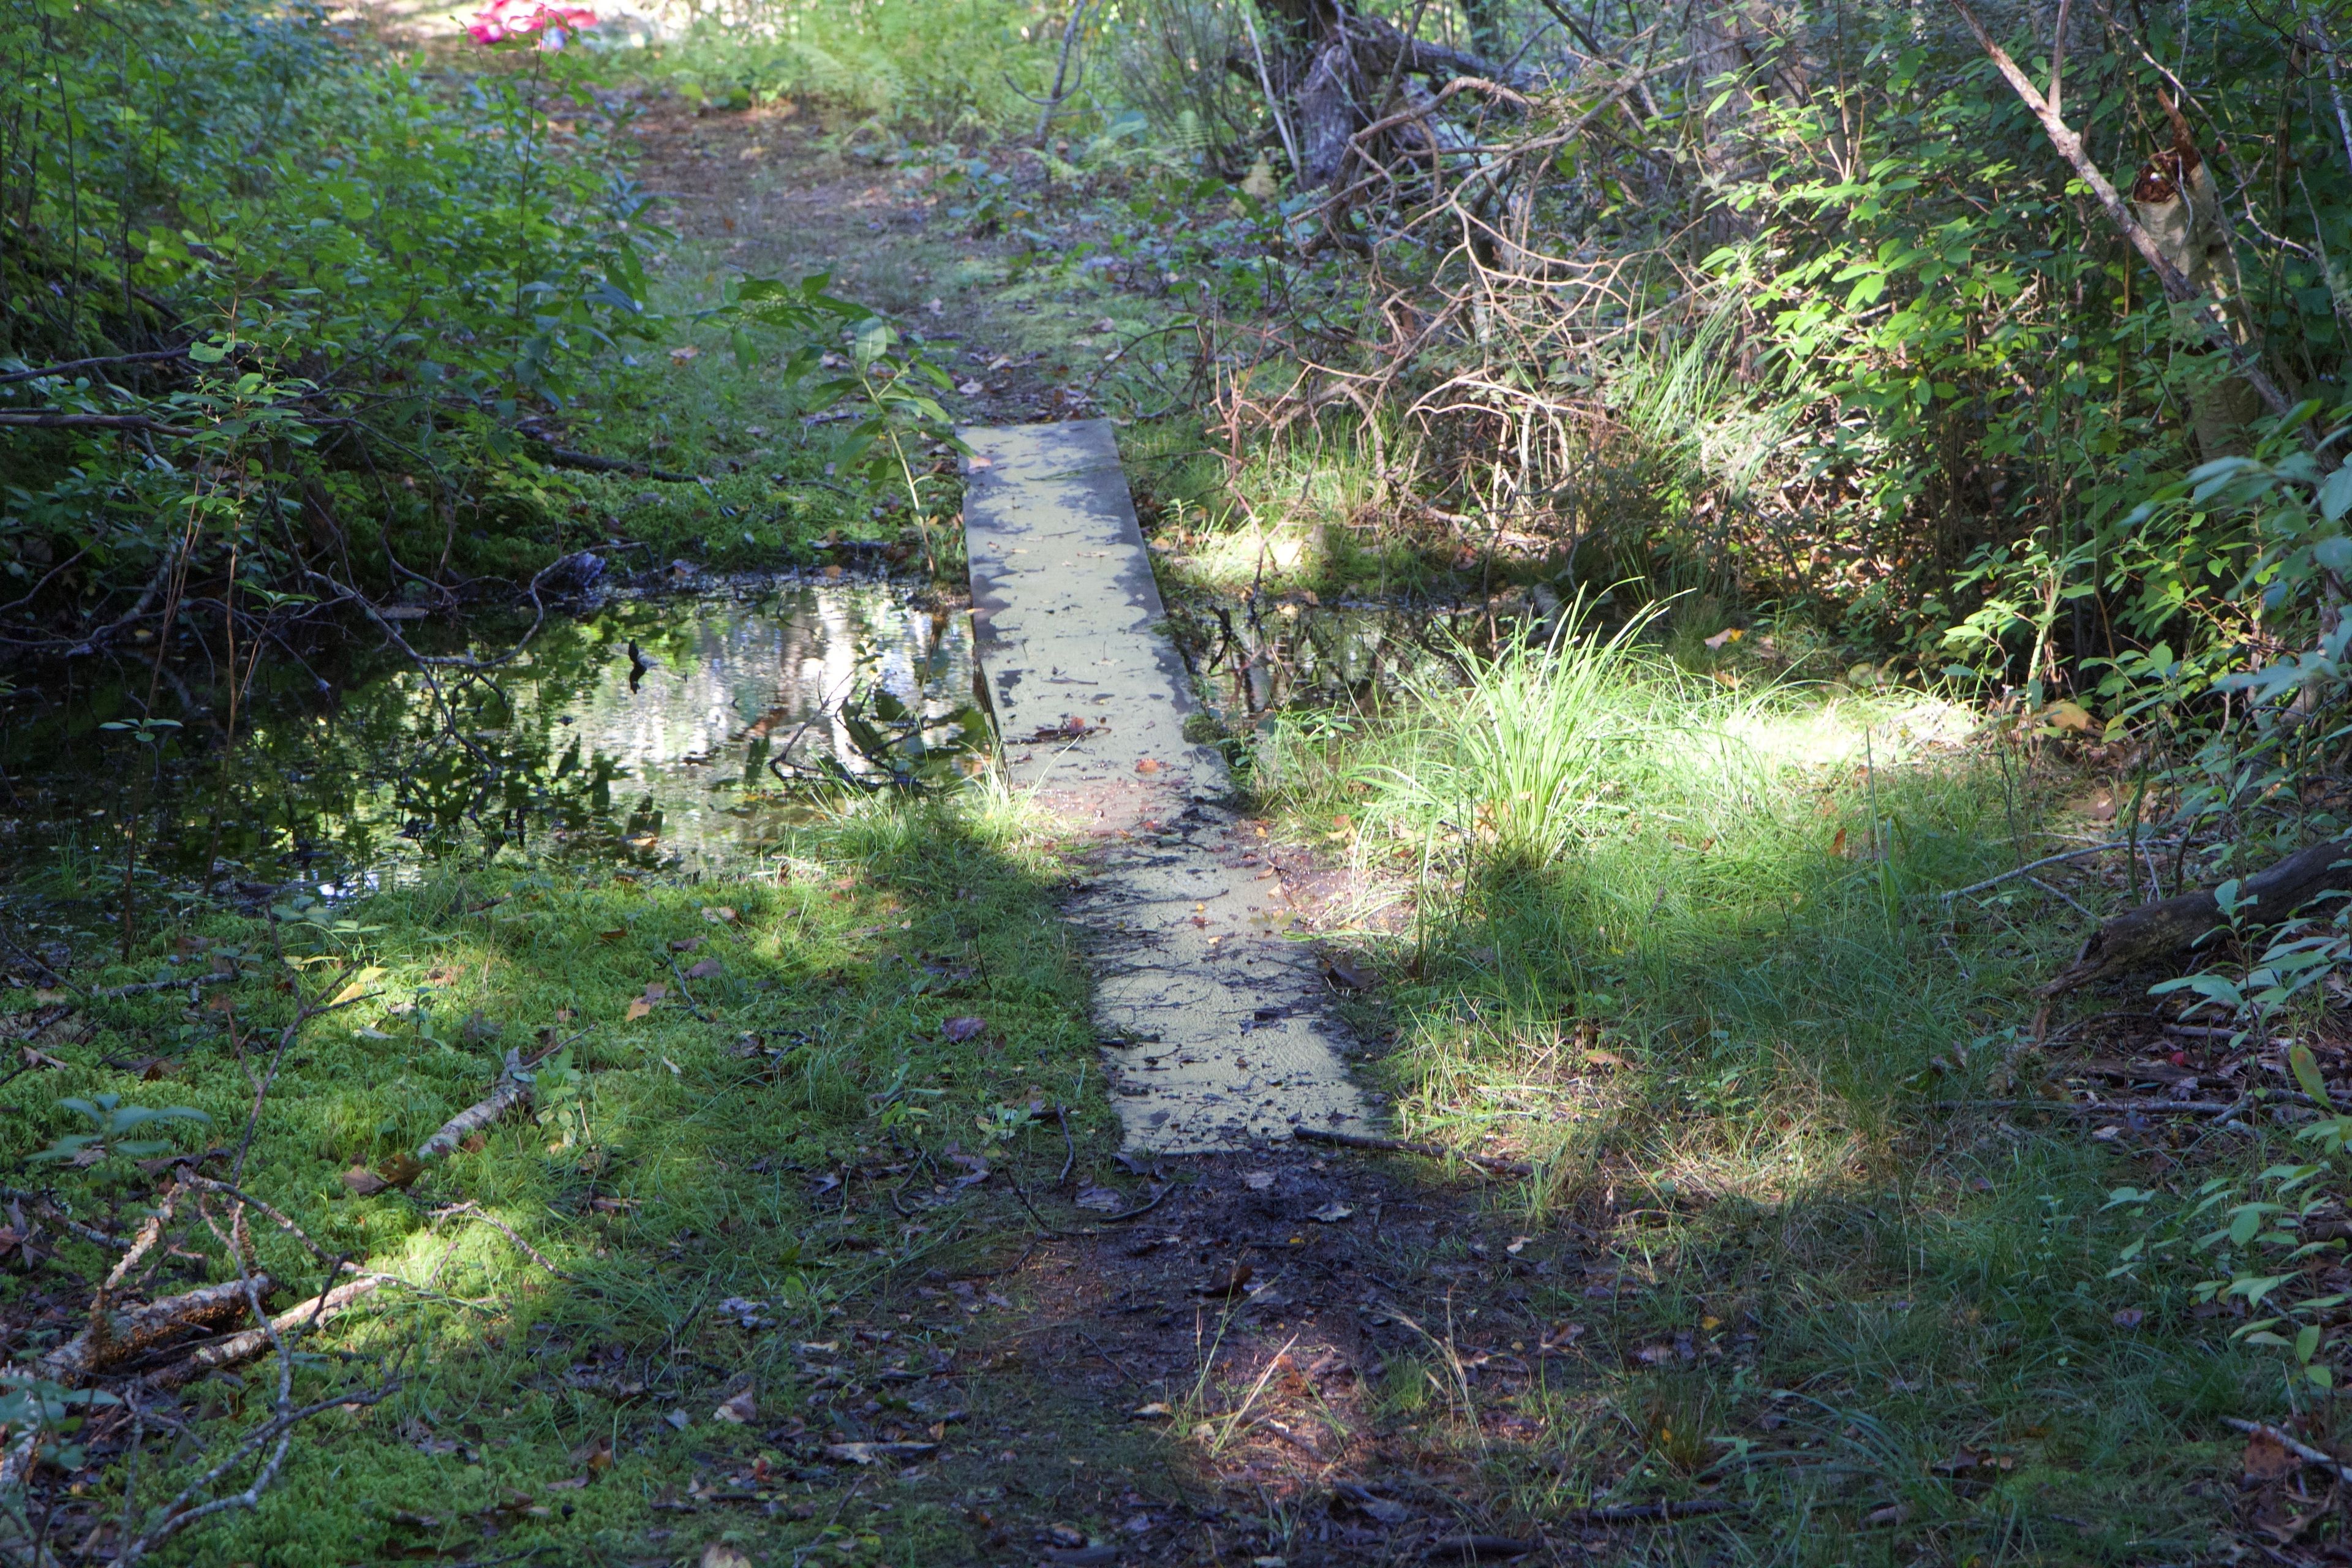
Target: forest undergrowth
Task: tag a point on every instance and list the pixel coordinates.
(1817, 599)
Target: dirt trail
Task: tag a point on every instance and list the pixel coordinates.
(1289, 1355)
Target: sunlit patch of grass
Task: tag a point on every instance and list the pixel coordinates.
(682, 1171)
(1738, 1035)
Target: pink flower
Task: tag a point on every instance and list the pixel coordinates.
(505, 22)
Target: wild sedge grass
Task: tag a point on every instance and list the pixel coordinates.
(1687, 1004)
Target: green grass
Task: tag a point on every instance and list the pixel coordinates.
(1728, 1031)
(682, 1167)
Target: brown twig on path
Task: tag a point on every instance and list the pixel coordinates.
(1400, 1146)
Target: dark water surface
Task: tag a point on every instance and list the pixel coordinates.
(358, 772)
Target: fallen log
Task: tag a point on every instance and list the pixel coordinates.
(513, 1089)
(214, 1354)
(2155, 932)
(118, 1336)
(589, 463)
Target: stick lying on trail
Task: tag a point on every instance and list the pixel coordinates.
(1399, 1146)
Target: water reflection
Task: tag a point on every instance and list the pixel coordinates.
(660, 732)
(1255, 658)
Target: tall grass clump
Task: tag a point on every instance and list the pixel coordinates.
(1521, 757)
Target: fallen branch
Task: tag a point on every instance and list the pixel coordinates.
(2295, 1445)
(474, 1211)
(214, 1354)
(118, 1336)
(144, 987)
(513, 1089)
(1646, 1512)
(2157, 931)
(2052, 860)
(1399, 1146)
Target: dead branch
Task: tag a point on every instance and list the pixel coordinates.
(60, 419)
(513, 1089)
(126, 1334)
(214, 1354)
(2158, 930)
(179, 1513)
(2176, 287)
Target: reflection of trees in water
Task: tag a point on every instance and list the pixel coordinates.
(384, 769)
(1257, 661)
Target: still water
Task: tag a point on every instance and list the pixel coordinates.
(685, 732)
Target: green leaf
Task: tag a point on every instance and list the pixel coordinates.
(2335, 494)
(2306, 1073)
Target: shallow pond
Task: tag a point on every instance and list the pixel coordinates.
(681, 730)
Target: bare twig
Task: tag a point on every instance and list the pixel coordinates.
(2176, 287)
(2292, 1444)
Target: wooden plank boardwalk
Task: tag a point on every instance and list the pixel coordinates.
(1216, 1024)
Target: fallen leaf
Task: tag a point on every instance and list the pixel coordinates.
(686, 944)
(1729, 635)
(638, 1008)
(679, 1419)
(680, 356)
(1102, 1200)
(970, 388)
(616, 934)
(400, 1170)
(597, 1456)
(1837, 845)
(1231, 1285)
(2266, 1459)
(1350, 977)
(964, 1028)
(364, 1182)
(1147, 766)
(2130, 1318)
(1257, 1181)
(573, 1485)
(1518, 1244)
(740, 1410)
(1155, 1411)
(1892, 1513)
(1601, 1059)
(1332, 1214)
(719, 1554)
(358, 987)
(705, 969)
(720, 914)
